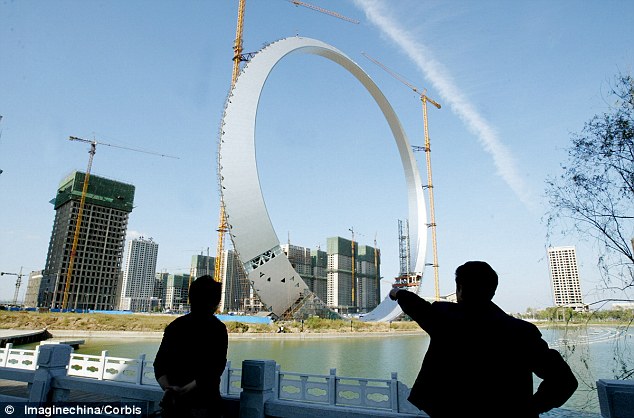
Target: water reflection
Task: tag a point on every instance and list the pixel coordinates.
(373, 357)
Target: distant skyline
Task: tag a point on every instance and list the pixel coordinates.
(514, 79)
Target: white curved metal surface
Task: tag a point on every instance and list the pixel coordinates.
(254, 238)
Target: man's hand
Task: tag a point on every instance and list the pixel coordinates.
(393, 293)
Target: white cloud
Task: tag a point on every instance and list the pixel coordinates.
(505, 163)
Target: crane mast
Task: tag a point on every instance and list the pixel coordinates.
(430, 189)
(80, 212)
(223, 226)
(427, 148)
(237, 46)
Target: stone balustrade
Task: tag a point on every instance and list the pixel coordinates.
(134, 379)
(258, 390)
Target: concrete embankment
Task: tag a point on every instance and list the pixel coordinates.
(71, 333)
(22, 336)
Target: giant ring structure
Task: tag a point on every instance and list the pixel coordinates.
(277, 284)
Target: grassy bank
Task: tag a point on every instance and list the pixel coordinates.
(145, 323)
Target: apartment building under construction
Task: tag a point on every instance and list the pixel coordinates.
(96, 272)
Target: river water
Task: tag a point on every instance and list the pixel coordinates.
(592, 352)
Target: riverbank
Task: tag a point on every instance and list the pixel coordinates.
(77, 325)
(99, 325)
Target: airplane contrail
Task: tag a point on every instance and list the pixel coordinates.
(504, 161)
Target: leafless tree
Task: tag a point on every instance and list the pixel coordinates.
(594, 196)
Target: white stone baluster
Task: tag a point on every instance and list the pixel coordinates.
(102, 365)
(5, 357)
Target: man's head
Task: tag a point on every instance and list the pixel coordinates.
(204, 294)
(476, 282)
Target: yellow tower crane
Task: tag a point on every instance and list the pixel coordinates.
(223, 226)
(427, 148)
(93, 149)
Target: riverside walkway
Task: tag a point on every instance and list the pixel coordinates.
(259, 389)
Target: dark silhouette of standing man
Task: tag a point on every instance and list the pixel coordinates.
(480, 361)
(193, 355)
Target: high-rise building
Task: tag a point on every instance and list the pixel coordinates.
(237, 294)
(160, 280)
(97, 262)
(137, 289)
(202, 265)
(348, 294)
(176, 288)
(318, 280)
(311, 266)
(564, 275)
(299, 258)
(368, 274)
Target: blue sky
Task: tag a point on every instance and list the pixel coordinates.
(514, 78)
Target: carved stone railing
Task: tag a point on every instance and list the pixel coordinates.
(18, 358)
(134, 379)
(341, 391)
(103, 367)
(231, 381)
(260, 389)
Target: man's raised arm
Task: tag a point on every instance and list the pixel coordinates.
(416, 307)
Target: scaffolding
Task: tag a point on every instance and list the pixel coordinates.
(101, 192)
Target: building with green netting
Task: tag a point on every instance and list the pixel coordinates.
(96, 268)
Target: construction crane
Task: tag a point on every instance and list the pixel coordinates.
(223, 226)
(73, 253)
(325, 11)
(238, 58)
(430, 188)
(18, 282)
(237, 45)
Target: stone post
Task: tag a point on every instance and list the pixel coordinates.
(52, 362)
(332, 387)
(394, 392)
(258, 379)
(616, 398)
(225, 379)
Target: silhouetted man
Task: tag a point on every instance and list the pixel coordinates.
(480, 361)
(193, 355)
